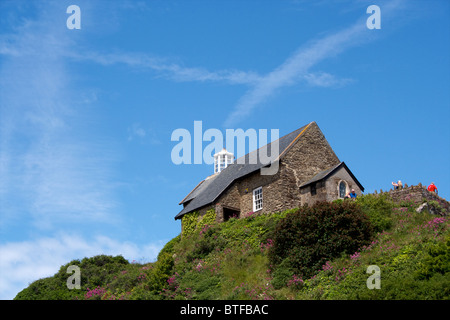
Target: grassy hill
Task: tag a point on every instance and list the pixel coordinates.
(321, 252)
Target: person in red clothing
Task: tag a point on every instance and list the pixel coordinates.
(432, 187)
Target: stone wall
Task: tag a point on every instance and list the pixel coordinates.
(332, 184)
(417, 193)
(307, 156)
(321, 193)
(310, 155)
(231, 198)
(328, 190)
(271, 185)
(240, 195)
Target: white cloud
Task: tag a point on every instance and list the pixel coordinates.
(292, 70)
(323, 79)
(168, 69)
(296, 67)
(51, 169)
(136, 130)
(24, 262)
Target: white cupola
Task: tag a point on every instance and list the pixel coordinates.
(222, 159)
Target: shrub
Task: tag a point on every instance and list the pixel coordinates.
(199, 285)
(47, 289)
(437, 260)
(169, 247)
(205, 245)
(95, 271)
(282, 274)
(378, 208)
(306, 239)
(161, 272)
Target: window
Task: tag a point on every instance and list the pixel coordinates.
(221, 161)
(342, 189)
(257, 199)
(313, 189)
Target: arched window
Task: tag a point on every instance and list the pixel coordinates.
(342, 189)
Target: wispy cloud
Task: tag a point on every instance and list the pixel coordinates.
(293, 70)
(162, 67)
(326, 80)
(299, 64)
(54, 171)
(136, 130)
(144, 134)
(50, 169)
(169, 69)
(296, 67)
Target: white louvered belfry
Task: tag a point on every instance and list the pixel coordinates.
(222, 159)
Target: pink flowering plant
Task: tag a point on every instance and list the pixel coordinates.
(265, 246)
(295, 283)
(251, 292)
(101, 293)
(320, 252)
(327, 266)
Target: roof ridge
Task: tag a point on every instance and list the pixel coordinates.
(293, 141)
(285, 149)
(327, 172)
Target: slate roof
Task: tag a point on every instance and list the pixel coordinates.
(326, 173)
(207, 191)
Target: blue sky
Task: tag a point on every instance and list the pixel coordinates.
(86, 116)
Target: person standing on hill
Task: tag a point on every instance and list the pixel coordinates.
(397, 185)
(432, 188)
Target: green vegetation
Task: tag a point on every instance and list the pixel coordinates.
(378, 208)
(318, 252)
(306, 239)
(193, 222)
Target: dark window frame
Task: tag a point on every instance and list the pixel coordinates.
(313, 189)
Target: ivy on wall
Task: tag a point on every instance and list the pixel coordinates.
(193, 222)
